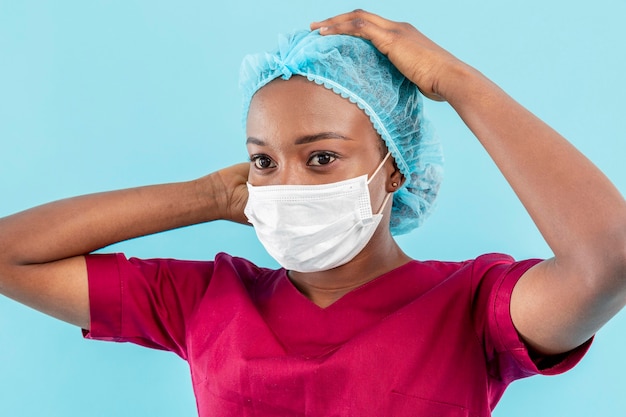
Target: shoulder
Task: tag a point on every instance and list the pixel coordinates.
(245, 269)
(487, 273)
(223, 265)
(475, 266)
(479, 266)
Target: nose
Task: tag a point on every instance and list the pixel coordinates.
(290, 173)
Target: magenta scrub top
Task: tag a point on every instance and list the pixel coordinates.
(426, 339)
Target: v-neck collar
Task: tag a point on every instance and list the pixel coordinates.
(307, 329)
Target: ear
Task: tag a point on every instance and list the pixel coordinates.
(395, 181)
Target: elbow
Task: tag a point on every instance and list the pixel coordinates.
(605, 268)
(10, 262)
(596, 264)
(620, 267)
(8, 257)
(617, 264)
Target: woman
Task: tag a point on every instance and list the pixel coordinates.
(363, 331)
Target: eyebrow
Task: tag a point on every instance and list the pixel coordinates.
(302, 140)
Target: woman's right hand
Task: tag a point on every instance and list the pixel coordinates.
(41, 262)
(232, 181)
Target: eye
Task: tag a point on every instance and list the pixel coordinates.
(321, 158)
(262, 162)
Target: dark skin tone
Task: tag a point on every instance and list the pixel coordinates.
(302, 133)
(556, 306)
(561, 302)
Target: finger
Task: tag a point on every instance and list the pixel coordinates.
(353, 16)
(362, 28)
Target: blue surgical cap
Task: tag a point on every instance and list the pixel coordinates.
(353, 68)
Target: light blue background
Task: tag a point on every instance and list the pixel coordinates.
(102, 95)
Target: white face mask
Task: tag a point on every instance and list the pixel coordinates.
(310, 228)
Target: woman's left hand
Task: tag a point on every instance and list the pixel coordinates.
(421, 60)
(560, 303)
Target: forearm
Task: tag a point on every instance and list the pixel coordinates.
(40, 249)
(560, 302)
(79, 225)
(580, 213)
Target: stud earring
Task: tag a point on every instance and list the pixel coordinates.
(394, 184)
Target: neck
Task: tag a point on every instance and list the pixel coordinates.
(382, 254)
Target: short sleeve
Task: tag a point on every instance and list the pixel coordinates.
(146, 302)
(508, 357)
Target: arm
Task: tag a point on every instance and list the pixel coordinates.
(41, 249)
(563, 301)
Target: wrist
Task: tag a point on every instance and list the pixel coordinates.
(211, 197)
(225, 193)
(460, 83)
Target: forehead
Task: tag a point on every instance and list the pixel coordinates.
(301, 107)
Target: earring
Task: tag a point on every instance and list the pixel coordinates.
(394, 184)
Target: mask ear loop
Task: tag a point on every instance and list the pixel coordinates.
(380, 166)
(382, 206)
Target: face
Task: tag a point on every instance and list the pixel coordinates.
(302, 133)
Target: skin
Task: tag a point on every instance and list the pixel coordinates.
(341, 143)
(556, 306)
(563, 301)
